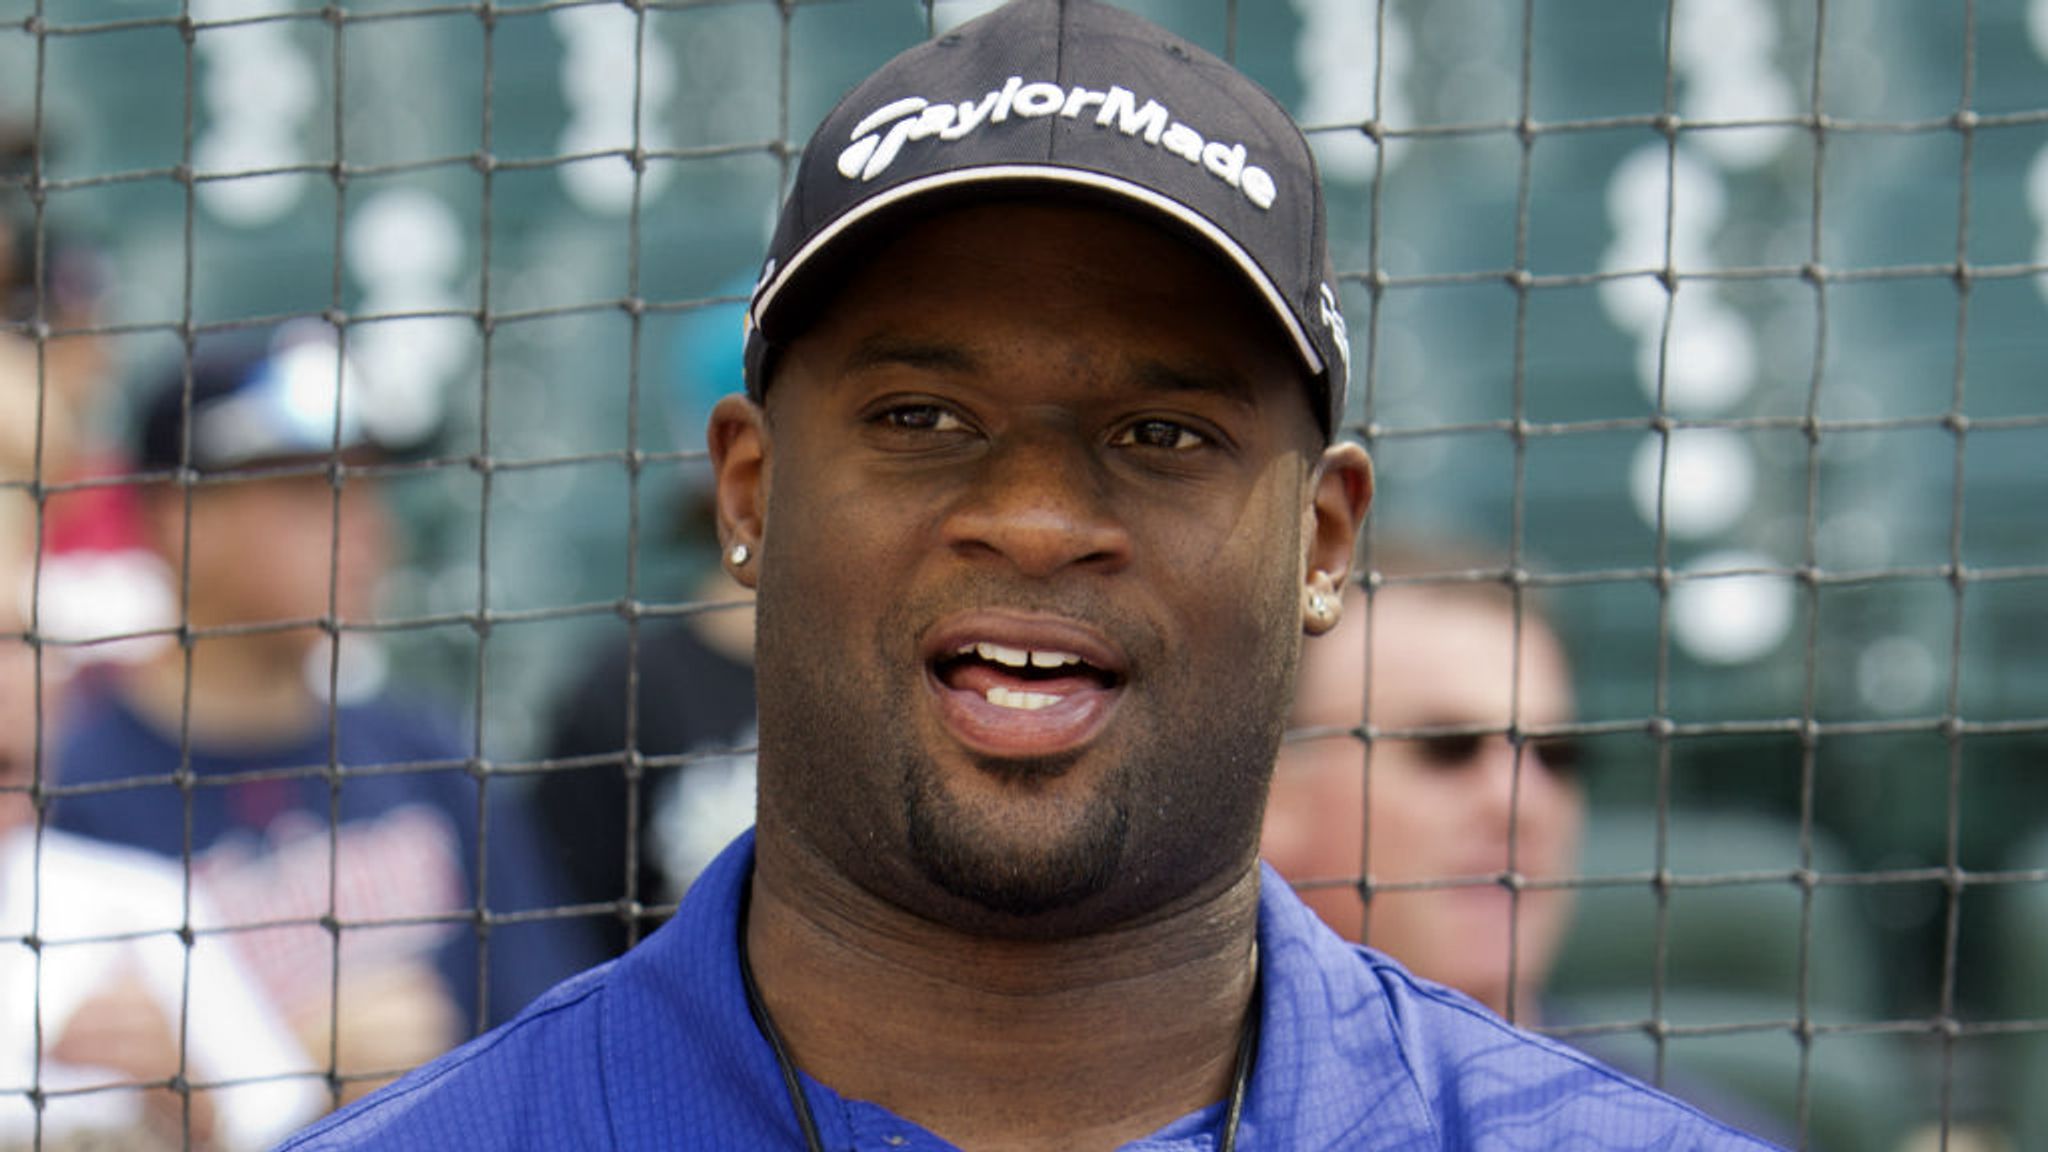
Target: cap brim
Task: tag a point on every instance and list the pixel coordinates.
(958, 182)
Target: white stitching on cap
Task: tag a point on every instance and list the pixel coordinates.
(871, 149)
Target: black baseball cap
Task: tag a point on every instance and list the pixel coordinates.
(263, 397)
(1080, 98)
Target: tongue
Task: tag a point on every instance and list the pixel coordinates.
(978, 678)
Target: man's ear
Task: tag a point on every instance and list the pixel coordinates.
(1341, 493)
(738, 439)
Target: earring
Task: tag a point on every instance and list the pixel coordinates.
(739, 555)
(1318, 606)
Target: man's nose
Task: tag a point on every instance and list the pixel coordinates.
(1503, 783)
(1043, 502)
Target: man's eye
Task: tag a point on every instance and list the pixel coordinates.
(920, 418)
(1449, 752)
(1562, 755)
(1161, 434)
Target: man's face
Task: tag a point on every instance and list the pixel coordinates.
(266, 551)
(1434, 809)
(1037, 512)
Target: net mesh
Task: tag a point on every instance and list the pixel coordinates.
(1724, 318)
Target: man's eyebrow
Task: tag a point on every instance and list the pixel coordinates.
(892, 351)
(1162, 376)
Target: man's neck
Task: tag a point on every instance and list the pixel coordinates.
(1007, 1045)
(243, 691)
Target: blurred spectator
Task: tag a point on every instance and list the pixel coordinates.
(110, 988)
(64, 299)
(101, 580)
(19, 439)
(39, 409)
(259, 706)
(1418, 764)
(694, 707)
(691, 683)
(1434, 808)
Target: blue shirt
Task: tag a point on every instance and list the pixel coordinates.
(656, 1050)
(395, 842)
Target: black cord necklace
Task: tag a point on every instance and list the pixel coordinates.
(1233, 1113)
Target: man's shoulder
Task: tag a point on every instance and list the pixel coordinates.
(1484, 1080)
(534, 1082)
(1368, 1047)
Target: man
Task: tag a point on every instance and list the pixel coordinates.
(1034, 485)
(256, 708)
(99, 579)
(1443, 801)
(91, 1016)
(1464, 685)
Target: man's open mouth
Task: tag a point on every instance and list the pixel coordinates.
(1026, 679)
(1013, 685)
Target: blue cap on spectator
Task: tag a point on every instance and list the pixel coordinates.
(256, 398)
(705, 364)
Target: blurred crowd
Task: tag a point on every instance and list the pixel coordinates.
(247, 873)
(253, 882)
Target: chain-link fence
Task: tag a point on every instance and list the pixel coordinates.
(1725, 318)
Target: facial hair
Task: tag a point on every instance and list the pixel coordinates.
(1176, 809)
(1064, 872)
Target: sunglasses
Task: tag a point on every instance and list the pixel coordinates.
(1558, 755)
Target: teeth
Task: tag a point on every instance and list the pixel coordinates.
(1021, 658)
(996, 653)
(1023, 701)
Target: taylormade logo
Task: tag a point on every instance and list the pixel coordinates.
(880, 137)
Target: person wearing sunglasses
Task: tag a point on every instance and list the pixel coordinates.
(1423, 768)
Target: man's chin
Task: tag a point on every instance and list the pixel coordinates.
(1021, 882)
